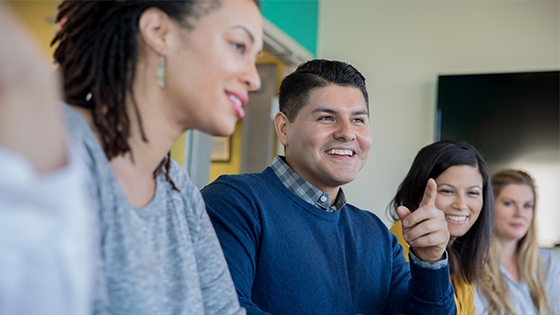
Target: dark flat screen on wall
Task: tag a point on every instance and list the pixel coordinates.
(504, 115)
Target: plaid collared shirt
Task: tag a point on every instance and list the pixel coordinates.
(303, 188)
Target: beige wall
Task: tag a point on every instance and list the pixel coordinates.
(401, 47)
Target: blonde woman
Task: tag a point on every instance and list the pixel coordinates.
(520, 278)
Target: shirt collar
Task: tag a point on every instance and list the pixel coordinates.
(303, 189)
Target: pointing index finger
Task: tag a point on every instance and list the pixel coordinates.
(430, 193)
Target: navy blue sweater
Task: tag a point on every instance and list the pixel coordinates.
(287, 256)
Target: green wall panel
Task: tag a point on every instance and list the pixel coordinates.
(297, 18)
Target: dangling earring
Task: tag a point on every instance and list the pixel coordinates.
(161, 72)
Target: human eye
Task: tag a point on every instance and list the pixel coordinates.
(445, 191)
(240, 47)
(528, 206)
(359, 120)
(326, 118)
(508, 203)
(474, 193)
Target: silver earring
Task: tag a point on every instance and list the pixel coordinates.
(161, 72)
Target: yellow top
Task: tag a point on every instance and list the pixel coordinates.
(464, 292)
(464, 296)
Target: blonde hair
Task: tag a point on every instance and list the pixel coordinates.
(493, 285)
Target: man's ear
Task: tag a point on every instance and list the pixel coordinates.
(154, 29)
(281, 124)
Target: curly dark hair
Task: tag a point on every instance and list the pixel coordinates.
(97, 52)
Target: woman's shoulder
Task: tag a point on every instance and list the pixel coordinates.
(80, 131)
(181, 180)
(396, 229)
(76, 124)
(550, 261)
(182, 193)
(551, 268)
(464, 296)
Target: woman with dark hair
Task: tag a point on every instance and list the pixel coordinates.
(138, 74)
(464, 194)
(520, 278)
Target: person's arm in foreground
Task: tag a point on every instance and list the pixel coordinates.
(425, 230)
(44, 235)
(31, 121)
(552, 265)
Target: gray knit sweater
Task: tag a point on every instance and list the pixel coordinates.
(163, 258)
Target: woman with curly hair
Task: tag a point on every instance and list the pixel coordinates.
(137, 75)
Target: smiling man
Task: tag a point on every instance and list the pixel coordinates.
(293, 243)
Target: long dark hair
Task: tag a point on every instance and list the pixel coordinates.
(97, 53)
(469, 252)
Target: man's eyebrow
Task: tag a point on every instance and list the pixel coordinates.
(324, 110)
(332, 111)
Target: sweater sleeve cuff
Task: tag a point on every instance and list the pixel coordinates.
(429, 264)
(430, 283)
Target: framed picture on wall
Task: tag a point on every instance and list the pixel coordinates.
(221, 149)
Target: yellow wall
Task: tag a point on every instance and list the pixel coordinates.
(234, 164)
(178, 150)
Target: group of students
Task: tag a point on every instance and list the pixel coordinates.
(99, 219)
(495, 263)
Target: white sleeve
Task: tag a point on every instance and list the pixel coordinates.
(480, 302)
(551, 266)
(46, 244)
